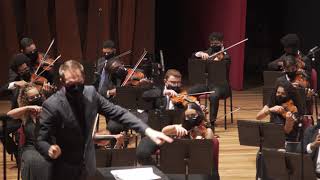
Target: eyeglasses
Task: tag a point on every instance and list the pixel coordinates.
(34, 97)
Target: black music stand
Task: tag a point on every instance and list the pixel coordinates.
(115, 157)
(188, 158)
(269, 81)
(287, 166)
(4, 118)
(262, 135)
(131, 98)
(158, 119)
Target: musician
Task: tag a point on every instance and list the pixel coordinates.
(33, 165)
(108, 52)
(66, 124)
(291, 46)
(29, 48)
(311, 146)
(278, 111)
(221, 90)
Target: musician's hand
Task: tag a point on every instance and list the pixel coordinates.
(20, 84)
(169, 92)
(310, 92)
(204, 55)
(47, 88)
(54, 151)
(157, 137)
(112, 92)
(120, 140)
(289, 117)
(316, 143)
(276, 109)
(180, 131)
(280, 63)
(34, 109)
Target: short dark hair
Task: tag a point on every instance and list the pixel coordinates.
(25, 42)
(216, 36)
(108, 44)
(289, 60)
(290, 41)
(172, 72)
(18, 60)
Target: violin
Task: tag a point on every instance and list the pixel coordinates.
(289, 107)
(183, 99)
(218, 57)
(102, 139)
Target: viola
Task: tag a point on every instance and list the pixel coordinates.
(137, 78)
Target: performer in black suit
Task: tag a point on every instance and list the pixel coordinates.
(311, 145)
(221, 90)
(66, 124)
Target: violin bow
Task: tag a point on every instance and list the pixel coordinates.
(116, 57)
(236, 44)
(201, 93)
(44, 56)
(135, 67)
(38, 75)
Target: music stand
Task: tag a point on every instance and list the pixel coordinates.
(131, 98)
(182, 157)
(158, 119)
(284, 165)
(262, 135)
(115, 157)
(4, 118)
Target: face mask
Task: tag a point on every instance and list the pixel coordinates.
(120, 73)
(291, 75)
(38, 101)
(33, 55)
(109, 56)
(177, 89)
(280, 100)
(216, 48)
(26, 76)
(74, 90)
(191, 122)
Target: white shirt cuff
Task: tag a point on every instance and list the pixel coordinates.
(108, 95)
(198, 54)
(11, 86)
(309, 150)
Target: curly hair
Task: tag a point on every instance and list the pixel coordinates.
(23, 97)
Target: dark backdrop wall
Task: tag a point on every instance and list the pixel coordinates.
(183, 27)
(79, 28)
(268, 21)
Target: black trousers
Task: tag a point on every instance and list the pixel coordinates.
(145, 150)
(220, 92)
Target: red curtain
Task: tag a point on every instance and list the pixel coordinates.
(77, 27)
(200, 18)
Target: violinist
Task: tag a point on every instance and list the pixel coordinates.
(291, 46)
(108, 52)
(283, 96)
(221, 90)
(216, 45)
(29, 48)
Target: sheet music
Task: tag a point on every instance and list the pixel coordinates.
(135, 174)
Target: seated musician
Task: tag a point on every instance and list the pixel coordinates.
(291, 46)
(311, 146)
(221, 90)
(192, 127)
(282, 98)
(284, 108)
(33, 165)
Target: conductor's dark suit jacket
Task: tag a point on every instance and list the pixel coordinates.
(58, 125)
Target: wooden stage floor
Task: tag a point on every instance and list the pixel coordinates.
(235, 162)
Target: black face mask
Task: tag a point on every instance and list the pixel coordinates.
(191, 122)
(120, 73)
(38, 101)
(280, 100)
(26, 76)
(33, 56)
(74, 91)
(216, 48)
(291, 75)
(109, 56)
(177, 89)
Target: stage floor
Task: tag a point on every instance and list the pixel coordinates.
(235, 162)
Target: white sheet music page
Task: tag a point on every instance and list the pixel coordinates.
(135, 174)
